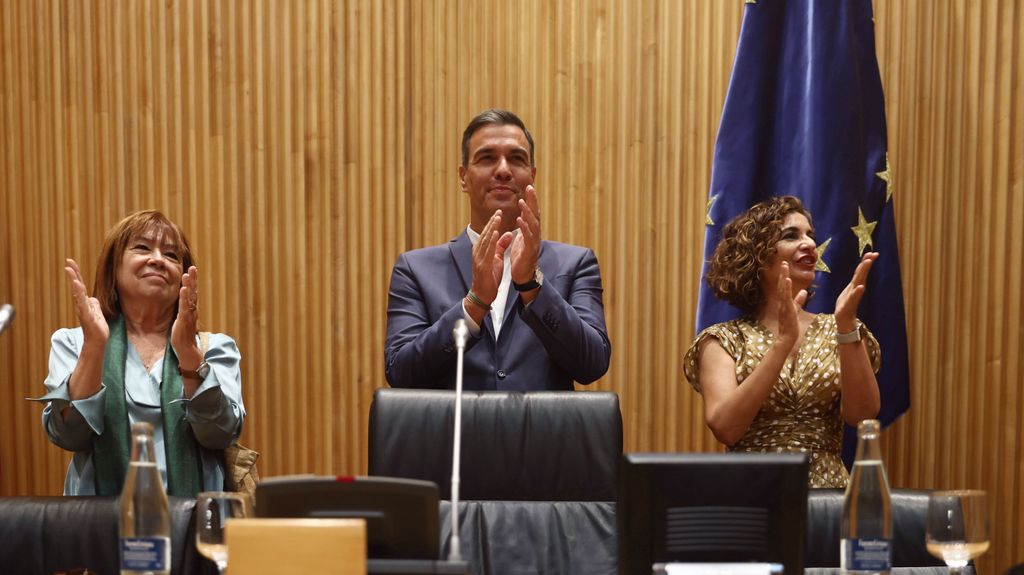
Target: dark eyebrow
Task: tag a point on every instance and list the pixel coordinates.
(517, 151)
(810, 231)
(164, 244)
(483, 150)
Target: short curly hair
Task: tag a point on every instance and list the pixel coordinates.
(748, 242)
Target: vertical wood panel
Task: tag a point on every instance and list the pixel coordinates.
(304, 145)
(952, 74)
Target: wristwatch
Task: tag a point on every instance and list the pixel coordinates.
(200, 373)
(536, 282)
(850, 336)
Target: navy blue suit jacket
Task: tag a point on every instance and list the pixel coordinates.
(559, 338)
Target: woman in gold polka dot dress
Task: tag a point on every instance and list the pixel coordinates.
(781, 378)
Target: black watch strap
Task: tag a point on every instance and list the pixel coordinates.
(536, 282)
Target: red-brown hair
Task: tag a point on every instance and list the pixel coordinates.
(116, 242)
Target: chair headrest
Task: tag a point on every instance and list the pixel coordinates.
(535, 446)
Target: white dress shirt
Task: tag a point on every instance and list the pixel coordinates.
(498, 305)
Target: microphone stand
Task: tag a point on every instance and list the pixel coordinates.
(461, 333)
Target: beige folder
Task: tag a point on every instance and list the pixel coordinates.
(296, 546)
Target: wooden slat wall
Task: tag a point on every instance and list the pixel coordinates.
(954, 79)
(303, 145)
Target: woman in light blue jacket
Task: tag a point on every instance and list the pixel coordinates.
(138, 356)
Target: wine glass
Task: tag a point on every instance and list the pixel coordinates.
(957, 529)
(213, 509)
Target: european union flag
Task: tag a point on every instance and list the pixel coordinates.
(805, 116)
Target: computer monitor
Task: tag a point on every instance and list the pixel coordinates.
(711, 508)
(401, 515)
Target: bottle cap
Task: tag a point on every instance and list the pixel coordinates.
(869, 426)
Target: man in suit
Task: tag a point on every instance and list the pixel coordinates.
(533, 307)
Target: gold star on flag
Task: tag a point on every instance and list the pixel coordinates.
(707, 210)
(863, 231)
(821, 266)
(750, 1)
(887, 178)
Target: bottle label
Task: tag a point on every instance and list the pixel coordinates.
(868, 554)
(145, 554)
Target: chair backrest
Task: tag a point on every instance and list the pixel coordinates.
(536, 446)
(45, 535)
(909, 516)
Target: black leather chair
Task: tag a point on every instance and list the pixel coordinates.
(539, 446)
(909, 516)
(46, 535)
(538, 480)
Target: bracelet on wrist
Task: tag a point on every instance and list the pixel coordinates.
(475, 300)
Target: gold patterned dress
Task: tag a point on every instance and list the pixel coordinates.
(802, 412)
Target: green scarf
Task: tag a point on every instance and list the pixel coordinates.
(112, 450)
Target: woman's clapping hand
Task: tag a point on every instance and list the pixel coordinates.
(849, 298)
(88, 309)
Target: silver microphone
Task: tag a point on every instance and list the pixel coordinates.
(7, 316)
(461, 334)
